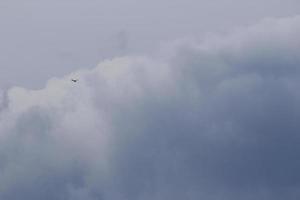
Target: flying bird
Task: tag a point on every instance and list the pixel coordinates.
(74, 80)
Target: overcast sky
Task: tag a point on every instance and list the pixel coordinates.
(52, 37)
(176, 100)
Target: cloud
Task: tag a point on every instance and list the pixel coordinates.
(213, 120)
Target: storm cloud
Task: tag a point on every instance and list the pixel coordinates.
(216, 119)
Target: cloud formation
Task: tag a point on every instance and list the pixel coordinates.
(215, 120)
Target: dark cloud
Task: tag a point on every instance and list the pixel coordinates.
(216, 120)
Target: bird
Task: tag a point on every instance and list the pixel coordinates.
(74, 80)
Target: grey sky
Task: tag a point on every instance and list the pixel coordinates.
(213, 116)
(45, 38)
(212, 120)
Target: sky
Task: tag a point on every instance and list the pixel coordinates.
(55, 37)
(174, 100)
